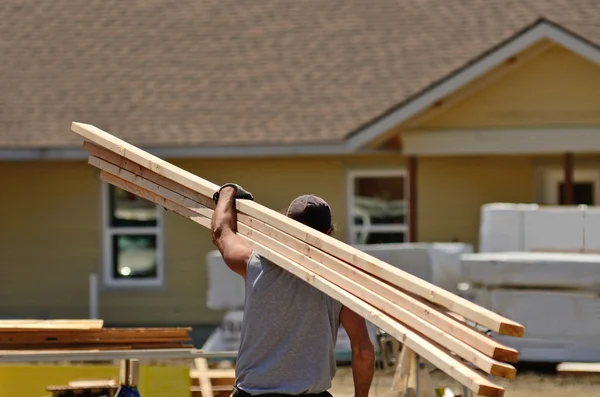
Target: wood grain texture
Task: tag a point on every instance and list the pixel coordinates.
(349, 283)
(51, 324)
(445, 362)
(319, 240)
(187, 198)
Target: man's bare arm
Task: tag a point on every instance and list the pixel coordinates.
(363, 352)
(233, 248)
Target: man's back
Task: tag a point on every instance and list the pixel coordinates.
(289, 333)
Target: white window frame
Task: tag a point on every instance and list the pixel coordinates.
(351, 229)
(108, 232)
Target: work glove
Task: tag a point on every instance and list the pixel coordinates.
(240, 193)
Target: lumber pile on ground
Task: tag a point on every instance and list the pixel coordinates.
(425, 318)
(87, 335)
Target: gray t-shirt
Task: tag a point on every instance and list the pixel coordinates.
(289, 333)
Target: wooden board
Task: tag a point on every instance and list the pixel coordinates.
(466, 351)
(430, 351)
(51, 324)
(455, 335)
(66, 338)
(104, 338)
(98, 346)
(104, 331)
(203, 377)
(327, 243)
(578, 369)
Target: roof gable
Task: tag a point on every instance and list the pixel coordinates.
(553, 88)
(541, 31)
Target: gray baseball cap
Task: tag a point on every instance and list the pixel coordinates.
(312, 211)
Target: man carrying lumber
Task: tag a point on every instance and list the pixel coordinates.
(290, 328)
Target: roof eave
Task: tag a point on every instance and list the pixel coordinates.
(201, 152)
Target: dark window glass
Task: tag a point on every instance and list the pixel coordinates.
(379, 200)
(129, 210)
(583, 193)
(134, 256)
(381, 237)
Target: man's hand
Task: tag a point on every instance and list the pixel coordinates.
(240, 192)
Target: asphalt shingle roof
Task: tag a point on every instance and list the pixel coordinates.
(239, 72)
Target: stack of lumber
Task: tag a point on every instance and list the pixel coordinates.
(415, 312)
(86, 335)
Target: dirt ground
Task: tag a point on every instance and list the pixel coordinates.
(527, 384)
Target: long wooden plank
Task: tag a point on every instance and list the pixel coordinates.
(53, 355)
(72, 341)
(89, 323)
(329, 244)
(86, 346)
(51, 324)
(203, 378)
(101, 333)
(466, 376)
(578, 369)
(28, 337)
(180, 195)
(466, 351)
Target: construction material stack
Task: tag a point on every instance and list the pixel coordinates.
(425, 318)
(61, 335)
(556, 293)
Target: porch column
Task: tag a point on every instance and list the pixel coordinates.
(412, 198)
(568, 187)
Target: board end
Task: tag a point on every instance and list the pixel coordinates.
(512, 329)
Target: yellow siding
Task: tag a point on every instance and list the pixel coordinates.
(556, 88)
(50, 235)
(49, 238)
(453, 189)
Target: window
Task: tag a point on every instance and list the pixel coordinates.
(378, 203)
(586, 186)
(132, 239)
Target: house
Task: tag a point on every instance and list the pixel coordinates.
(405, 116)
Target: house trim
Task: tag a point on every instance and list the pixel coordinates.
(207, 152)
(501, 141)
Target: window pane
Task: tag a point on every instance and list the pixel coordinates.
(379, 237)
(134, 256)
(129, 210)
(583, 193)
(379, 200)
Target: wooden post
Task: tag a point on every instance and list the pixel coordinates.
(568, 187)
(413, 165)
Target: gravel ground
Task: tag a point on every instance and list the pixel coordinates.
(527, 384)
(531, 381)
